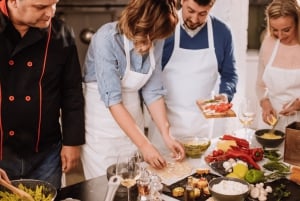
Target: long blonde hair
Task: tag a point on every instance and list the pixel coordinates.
(282, 8)
(144, 21)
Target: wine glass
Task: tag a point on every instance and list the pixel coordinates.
(246, 115)
(128, 170)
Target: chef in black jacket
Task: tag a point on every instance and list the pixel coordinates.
(40, 86)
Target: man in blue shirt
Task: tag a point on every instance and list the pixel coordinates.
(198, 60)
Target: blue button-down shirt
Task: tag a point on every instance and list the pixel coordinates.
(105, 63)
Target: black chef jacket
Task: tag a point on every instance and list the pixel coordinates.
(34, 95)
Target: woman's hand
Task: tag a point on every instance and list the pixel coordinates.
(268, 111)
(176, 147)
(290, 108)
(4, 176)
(152, 156)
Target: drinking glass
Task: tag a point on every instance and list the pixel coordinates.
(128, 171)
(246, 115)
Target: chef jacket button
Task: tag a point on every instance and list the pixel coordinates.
(29, 64)
(11, 98)
(11, 62)
(27, 98)
(11, 133)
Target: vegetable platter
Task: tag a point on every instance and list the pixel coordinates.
(262, 168)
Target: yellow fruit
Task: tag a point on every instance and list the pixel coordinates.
(233, 175)
(240, 170)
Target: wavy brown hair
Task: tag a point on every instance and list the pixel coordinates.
(282, 8)
(144, 21)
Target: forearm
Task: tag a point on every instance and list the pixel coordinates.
(128, 125)
(158, 112)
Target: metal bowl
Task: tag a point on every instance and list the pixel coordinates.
(229, 196)
(32, 184)
(122, 190)
(271, 143)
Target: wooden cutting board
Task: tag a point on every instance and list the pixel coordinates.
(209, 114)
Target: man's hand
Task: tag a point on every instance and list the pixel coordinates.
(70, 157)
(4, 176)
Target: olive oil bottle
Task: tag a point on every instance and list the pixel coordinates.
(189, 190)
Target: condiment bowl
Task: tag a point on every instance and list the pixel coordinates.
(195, 146)
(267, 139)
(228, 189)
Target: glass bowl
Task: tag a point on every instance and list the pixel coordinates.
(195, 146)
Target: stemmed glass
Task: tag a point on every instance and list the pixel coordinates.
(128, 171)
(246, 115)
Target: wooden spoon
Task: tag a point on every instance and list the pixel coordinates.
(22, 194)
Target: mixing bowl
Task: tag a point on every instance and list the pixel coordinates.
(195, 146)
(269, 141)
(38, 188)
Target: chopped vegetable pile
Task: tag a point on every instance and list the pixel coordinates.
(37, 194)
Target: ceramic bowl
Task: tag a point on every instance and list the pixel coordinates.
(195, 146)
(230, 189)
(269, 142)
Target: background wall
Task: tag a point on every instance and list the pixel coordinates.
(235, 14)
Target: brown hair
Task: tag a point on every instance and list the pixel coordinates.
(205, 2)
(144, 21)
(282, 8)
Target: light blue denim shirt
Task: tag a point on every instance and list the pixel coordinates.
(105, 63)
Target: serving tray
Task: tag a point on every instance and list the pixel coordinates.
(290, 186)
(202, 104)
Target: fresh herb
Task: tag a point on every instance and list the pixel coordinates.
(277, 166)
(281, 192)
(272, 154)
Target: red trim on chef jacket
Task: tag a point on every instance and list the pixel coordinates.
(1, 128)
(3, 7)
(41, 89)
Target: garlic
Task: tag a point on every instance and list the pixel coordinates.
(254, 193)
(269, 189)
(262, 198)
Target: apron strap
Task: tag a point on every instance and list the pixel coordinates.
(127, 54)
(152, 59)
(210, 35)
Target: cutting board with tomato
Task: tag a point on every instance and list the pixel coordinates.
(215, 109)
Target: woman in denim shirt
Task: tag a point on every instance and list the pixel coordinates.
(124, 58)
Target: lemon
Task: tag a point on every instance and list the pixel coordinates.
(240, 170)
(233, 175)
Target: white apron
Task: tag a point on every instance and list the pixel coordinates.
(188, 76)
(104, 138)
(283, 86)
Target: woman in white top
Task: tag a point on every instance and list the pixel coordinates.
(278, 80)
